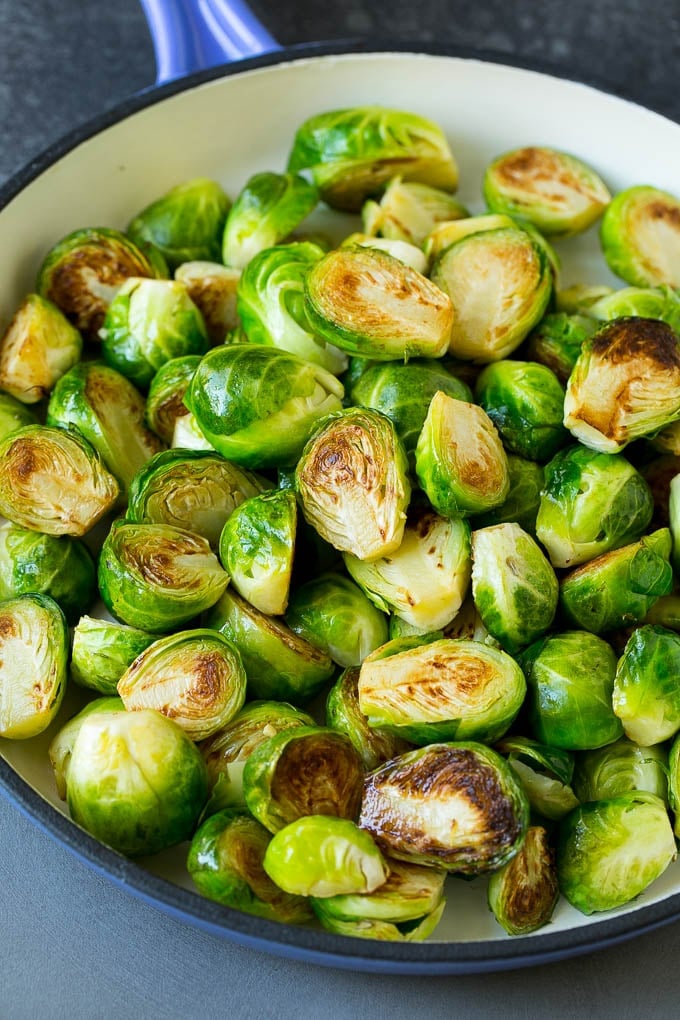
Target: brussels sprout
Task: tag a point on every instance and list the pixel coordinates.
(278, 663)
(609, 851)
(61, 746)
(264, 213)
(460, 460)
(367, 302)
(665, 612)
(187, 435)
(409, 893)
(409, 211)
(184, 224)
(441, 690)
(580, 297)
(619, 768)
(147, 323)
(674, 783)
(343, 714)
(523, 894)
(644, 302)
(191, 489)
(34, 647)
(499, 282)
(619, 587)
(60, 567)
(426, 579)
(306, 770)
(135, 781)
(640, 236)
(226, 864)
(556, 192)
(53, 481)
(525, 401)
(570, 681)
(165, 400)
(257, 405)
(557, 341)
(352, 153)
(332, 612)
(157, 577)
(108, 411)
(625, 384)
(646, 696)
(443, 235)
(324, 856)
(102, 650)
(212, 288)
(14, 415)
(353, 485)
(524, 497)
(667, 441)
(271, 304)
(386, 931)
(404, 252)
(592, 502)
(38, 346)
(455, 806)
(544, 774)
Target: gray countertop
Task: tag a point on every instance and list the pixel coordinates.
(71, 943)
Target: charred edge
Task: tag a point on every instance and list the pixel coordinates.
(634, 338)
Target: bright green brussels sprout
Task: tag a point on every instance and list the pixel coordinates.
(38, 346)
(523, 499)
(460, 460)
(443, 235)
(352, 153)
(557, 341)
(102, 650)
(135, 781)
(268, 208)
(14, 415)
(271, 304)
(640, 236)
(184, 224)
(609, 851)
(226, 864)
(343, 714)
(619, 587)
(525, 401)
(212, 287)
(591, 503)
(513, 585)
(147, 323)
(646, 694)
(580, 297)
(324, 856)
(369, 303)
(256, 549)
(625, 384)
(187, 435)
(353, 485)
(619, 768)
(165, 400)
(426, 579)
(34, 646)
(644, 302)
(410, 893)
(556, 192)
(108, 411)
(385, 931)
(544, 774)
(61, 746)
(499, 282)
(53, 481)
(455, 806)
(191, 489)
(332, 612)
(278, 663)
(60, 567)
(400, 250)
(409, 211)
(306, 770)
(523, 894)
(443, 689)
(570, 680)
(157, 577)
(257, 405)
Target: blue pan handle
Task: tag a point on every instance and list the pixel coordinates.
(191, 35)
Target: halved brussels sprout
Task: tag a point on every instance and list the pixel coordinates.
(646, 696)
(591, 503)
(165, 399)
(369, 303)
(570, 680)
(544, 774)
(644, 302)
(385, 931)
(212, 287)
(34, 645)
(455, 806)
(147, 323)
(523, 894)
(557, 341)
(619, 768)
(53, 481)
(135, 781)
(61, 747)
(609, 851)
(444, 234)
(353, 484)
(268, 208)
(580, 297)
(185, 223)
(525, 401)
(102, 650)
(460, 460)
(409, 211)
(343, 714)
(352, 153)
(409, 893)
(14, 415)
(425, 580)
(257, 405)
(38, 346)
(157, 577)
(404, 252)
(440, 690)
(499, 282)
(640, 236)
(523, 499)
(225, 862)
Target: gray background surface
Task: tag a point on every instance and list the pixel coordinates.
(71, 943)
